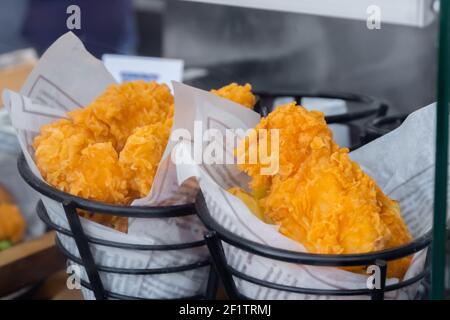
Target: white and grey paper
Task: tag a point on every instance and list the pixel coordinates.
(68, 77)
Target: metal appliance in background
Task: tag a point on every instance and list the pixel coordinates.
(289, 51)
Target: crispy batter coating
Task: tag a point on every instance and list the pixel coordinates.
(110, 150)
(141, 156)
(58, 150)
(299, 129)
(99, 175)
(320, 197)
(80, 155)
(12, 224)
(240, 94)
(117, 112)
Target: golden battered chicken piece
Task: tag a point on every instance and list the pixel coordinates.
(12, 224)
(98, 175)
(329, 211)
(69, 159)
(79, 155)
(320, 197)
(141, 156)
(299, 128)
(115, 114)
(58, 151)
(240, 94)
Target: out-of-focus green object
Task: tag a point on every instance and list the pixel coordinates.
(4, 244)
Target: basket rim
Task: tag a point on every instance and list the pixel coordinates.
(376, 106)
(375, 125)
(66, 199)
(331, 292)
(312, 259)
(356, 97)
(43, 215)
(134, 271)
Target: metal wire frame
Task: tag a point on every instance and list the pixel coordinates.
(370, 106)
(380, 126)
(71, 203)
(219, 234)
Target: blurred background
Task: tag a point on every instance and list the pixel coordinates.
(271, 50)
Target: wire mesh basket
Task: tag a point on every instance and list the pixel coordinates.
(84, 242)
(359, 106)
(380, 126)
(218, 235)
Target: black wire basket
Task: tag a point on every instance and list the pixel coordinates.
(380, 126)
(217, 235)
(83, 241)
(360, 106)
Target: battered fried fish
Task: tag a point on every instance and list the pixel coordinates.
(110, 150)
(320, 197)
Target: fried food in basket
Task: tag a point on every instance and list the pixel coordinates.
(114, 222)
(116, 113)
(320, 197)
(12, 224)
(141, 155)
(240, 94)
(110, 150)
